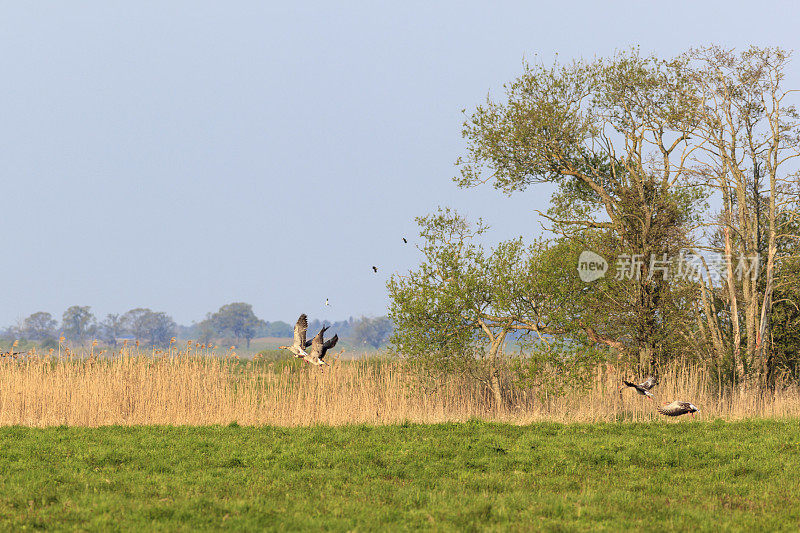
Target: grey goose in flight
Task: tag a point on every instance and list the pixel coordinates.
(298, 346)
(319, 347)
(642, 388)
(677, 408)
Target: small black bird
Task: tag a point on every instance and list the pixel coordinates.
(405, 241)
(374, 269)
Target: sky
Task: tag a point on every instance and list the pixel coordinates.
(184, 155)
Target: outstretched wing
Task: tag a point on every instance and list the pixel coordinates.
(649, 383)
(330, 343)
(317, 343)
(628, 383)
(673, 409)
(300, 331)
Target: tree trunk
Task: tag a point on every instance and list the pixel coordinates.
(711, 320)
(766, 307)
(497, 390)
(734, 303)
(495, 369)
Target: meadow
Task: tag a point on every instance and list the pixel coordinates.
(707, 476)
(189, 438)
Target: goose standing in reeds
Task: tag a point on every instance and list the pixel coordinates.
(642, 388)
(678, 408)
(319, 347)
(298, 346)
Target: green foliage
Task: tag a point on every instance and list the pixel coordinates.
(681, 476)
(373, 332)
(606, 133)
(23, 345)
(78, 323)
(49, 344)
(437, 309)
(135, 322)
(110, 329)
(145, 325)
(785, 319)
(206, 330)
(277, 329)
(39, 326)
(235, 319)
(454, 313)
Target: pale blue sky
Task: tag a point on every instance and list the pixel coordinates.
(184, 155)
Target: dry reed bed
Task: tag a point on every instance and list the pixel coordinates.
(194, 387)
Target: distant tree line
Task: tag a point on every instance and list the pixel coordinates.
(78, 324)
(235, 321)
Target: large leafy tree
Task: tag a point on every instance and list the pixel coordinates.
(39, 326)
(612, 136)
(144, 324)
(78, 323)
(238, 320)
(135, 322)
(160, 328)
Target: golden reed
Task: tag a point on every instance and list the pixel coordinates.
(195, 386)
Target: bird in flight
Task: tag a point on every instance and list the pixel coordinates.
(299, 344)
(677, 408)
(642, 388)
(405, 241)
(374, 269)
(326, 302)
(319, 347)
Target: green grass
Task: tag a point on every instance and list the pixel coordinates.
(471, 476)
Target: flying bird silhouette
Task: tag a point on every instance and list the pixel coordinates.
(374, 269)
(405, 241)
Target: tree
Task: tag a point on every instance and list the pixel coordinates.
(111, 328)
(39, 326)
(145, 324)
(206, 330)
(160, 328)
(748, 135)
(278, 329)
(454, 314)
(238, 320)
(78, 323)
(373, 331)
(135, 322)
(611, 135)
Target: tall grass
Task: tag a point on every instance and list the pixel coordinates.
(195, 386)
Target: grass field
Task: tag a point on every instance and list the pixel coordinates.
(456, 476)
